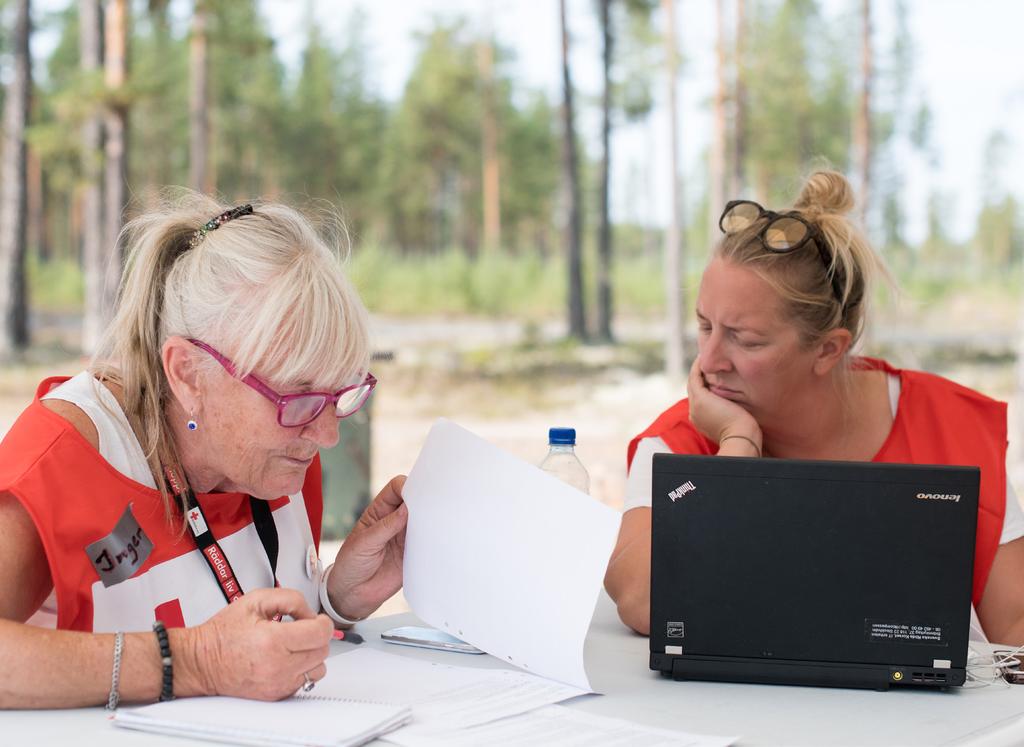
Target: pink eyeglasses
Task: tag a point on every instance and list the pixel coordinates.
(294, 410)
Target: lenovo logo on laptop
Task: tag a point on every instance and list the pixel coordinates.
(955, 497)
(682, 490)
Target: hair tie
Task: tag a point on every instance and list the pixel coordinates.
(214, 223)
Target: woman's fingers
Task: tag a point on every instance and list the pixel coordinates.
(246, 653)
(388, 500)
(391, 495)
(311, 662)
(695, 374)
(695, 383)
(300, 636)
(313, 674)
(376, 536)
(368, 566)
(269, 603)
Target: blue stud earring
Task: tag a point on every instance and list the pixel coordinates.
(192, 424)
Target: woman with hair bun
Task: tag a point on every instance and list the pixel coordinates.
(168, 499)
(782, 303)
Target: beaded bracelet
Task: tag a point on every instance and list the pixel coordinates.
(167, 687)
(115, 677)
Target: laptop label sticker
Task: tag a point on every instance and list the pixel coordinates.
(674, 630)
(888, 631)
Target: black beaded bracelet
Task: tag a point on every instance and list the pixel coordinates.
(167, 686)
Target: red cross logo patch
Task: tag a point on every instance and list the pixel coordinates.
(197, 522)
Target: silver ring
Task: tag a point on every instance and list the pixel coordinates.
(308, 684)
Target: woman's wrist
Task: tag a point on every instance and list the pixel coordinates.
(330, 608)
(190, 676)
(741, 442)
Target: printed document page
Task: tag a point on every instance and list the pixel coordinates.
(557, 725)
(442, 696)
(503, 555)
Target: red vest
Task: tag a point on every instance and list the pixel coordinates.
(115, 560)
(937, 422)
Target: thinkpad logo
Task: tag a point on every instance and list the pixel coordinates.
(682, 490)
(955, 497)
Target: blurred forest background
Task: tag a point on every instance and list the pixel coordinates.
(508, 288)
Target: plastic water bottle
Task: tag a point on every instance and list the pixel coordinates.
(562, 461)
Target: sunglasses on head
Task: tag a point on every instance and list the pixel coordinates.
(783, 233)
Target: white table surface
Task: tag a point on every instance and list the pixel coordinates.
(617, 663)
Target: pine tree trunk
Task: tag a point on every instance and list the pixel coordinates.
(675, 308)
(94, 257)
(199, 120)
(739, 124)
(13, 291)
(571, 185)
(489, 142)
(35, 232)
(716, 165)
(115, 179)
(862, 130)
(604, 237)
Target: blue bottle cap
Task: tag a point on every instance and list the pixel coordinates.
(562, 436)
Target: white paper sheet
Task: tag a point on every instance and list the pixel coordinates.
(302, 720)
(442, 696)
(557, 725)
(503, 555)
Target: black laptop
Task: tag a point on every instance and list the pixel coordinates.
(846, 574)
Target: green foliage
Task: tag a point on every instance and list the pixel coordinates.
(999, 239)
(921, 127)
(432, 161)
(938, 249)
(637, 53)
(639, 284)
(250, 112)
(56, 285)
(431, 178)
(64, 97)
(449, 282)
(158, 141)
(407, 174)
(935, 285)
(333, 107)
(523, 286)
(529, 156)
(799, 96)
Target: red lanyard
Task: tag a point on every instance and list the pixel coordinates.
(220, 566)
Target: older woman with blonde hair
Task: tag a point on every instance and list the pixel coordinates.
(168, 499)
(781, 306)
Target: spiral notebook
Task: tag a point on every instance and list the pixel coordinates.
(300, 720)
